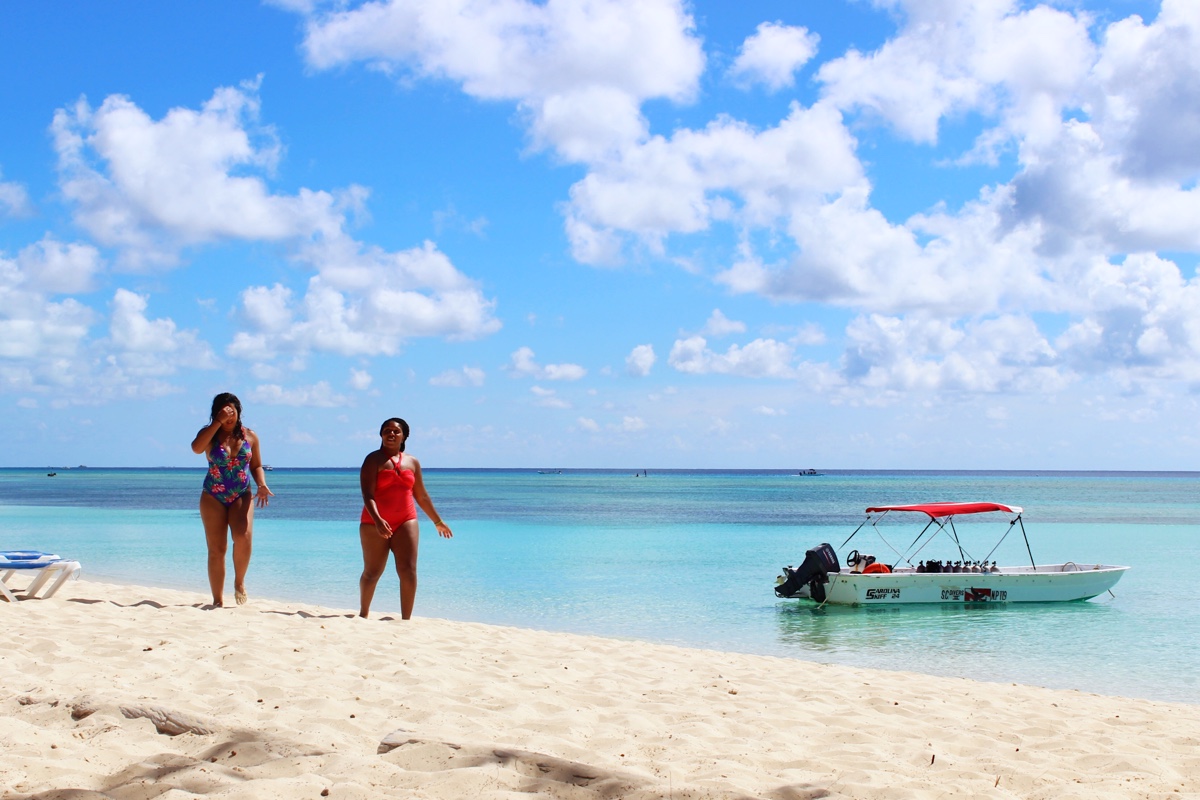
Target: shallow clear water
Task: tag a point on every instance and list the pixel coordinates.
(687, 558)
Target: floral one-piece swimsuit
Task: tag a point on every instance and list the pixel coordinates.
(228, 475)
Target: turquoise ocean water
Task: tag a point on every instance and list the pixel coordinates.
(686, 558)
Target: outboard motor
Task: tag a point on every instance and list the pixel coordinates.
(818, 563)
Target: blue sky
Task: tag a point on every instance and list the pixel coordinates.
(605, 233)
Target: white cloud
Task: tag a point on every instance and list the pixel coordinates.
(772, 55)
(151, 187)
(300, 437)
(720, 325)
(317, 395)
(465, 376)
(761, 358)
(768, 411)
(1143, 318)
(14, 199)
(46, 335)
(809, 333)
(52, 266)
(44, 345)
(548, 398)
(640, 360)
(587, 424)
(1147, 94)
(360, 379)
(577, 71)
(1100, 128)
(953, 58)
(524, 365)
(922, 354)
(684, 183)
(632, 424)
(152, 347)
(365, 301)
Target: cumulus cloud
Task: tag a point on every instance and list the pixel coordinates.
(632, 425)
(727, 172)
(1143, 317)
(809, 333)
(588, 424)
(523, 365)
(464, 376)
(772, 55)
(365, 302)
(317, 395)
(1005, 353)
(548, 398)
(60, 268)
(1089, 129)
(761, 358)
(720, 325)
(142, 346)
(950, 59)
(35, 330)
(45, 344)
(640, 360)
(577, 71)
(360, 379)
(14, 199)
(150, 188)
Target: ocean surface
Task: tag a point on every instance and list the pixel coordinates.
(687, 558)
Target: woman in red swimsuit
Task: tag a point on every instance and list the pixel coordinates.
(390, 482)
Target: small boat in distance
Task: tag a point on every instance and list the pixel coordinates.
(549, 472)
(809, 472)
(967, 580)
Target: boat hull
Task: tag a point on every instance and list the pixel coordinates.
(1051, 583)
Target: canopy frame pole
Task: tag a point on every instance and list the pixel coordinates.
(954, 535)
(859, 528)
(907, 559)
(1011, 522)
(1027, 549)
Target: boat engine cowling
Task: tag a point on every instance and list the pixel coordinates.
(813, 572)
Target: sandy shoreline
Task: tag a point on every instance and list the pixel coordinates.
(288, 700)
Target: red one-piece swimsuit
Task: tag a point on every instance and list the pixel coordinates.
(393, 497)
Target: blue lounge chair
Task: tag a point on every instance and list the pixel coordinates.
(47, 568)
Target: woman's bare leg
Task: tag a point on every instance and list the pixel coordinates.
(375, 555)
(241, 529)
(215, 517)
(404, 548)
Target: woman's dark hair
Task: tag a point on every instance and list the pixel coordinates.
(219, 402)
(403, 426)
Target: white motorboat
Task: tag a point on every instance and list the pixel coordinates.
(967, 580)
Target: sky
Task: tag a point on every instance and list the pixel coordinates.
(848, 234)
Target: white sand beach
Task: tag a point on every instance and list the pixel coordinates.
(130, 692)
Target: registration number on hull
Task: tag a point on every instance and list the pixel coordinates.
(974, 595)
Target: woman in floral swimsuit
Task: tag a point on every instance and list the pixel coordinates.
(225, 504)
